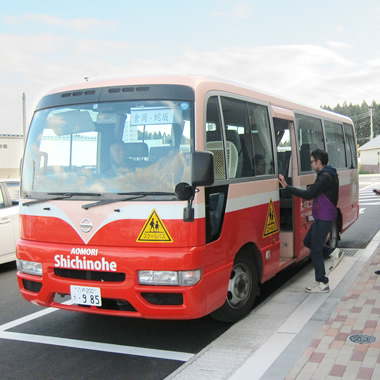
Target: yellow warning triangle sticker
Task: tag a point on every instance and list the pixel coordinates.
(271, 226)
(154, 231)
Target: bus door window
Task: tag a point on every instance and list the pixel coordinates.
(284, 148)
(335, 144)
(309, 137)
(284, 155)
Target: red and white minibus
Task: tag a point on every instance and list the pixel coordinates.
(191, 220)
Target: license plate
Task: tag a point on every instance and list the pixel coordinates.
(85, 295)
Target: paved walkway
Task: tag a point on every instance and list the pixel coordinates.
(294, 335)
(332, 355)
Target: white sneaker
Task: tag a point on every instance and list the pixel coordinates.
(321, 288)
(336, 256)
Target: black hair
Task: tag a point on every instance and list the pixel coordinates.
(319, 154)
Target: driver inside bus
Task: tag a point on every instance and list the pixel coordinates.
(119, 161)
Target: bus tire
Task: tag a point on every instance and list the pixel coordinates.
(333, 238)
(242, 290)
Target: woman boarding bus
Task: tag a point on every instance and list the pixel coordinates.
(195, 221)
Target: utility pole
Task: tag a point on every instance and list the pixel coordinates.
(24, 116)
(371, 122)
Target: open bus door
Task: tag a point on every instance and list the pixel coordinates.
(284, 131)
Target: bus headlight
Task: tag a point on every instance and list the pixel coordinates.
(181, 278)
(29, 267)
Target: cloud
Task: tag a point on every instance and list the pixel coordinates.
(338, 45)
(237, 10)
(303, 72)
(376, 13)
(37, 63)
(79, 24)
(309, 74)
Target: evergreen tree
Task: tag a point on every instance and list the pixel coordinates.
(361, 116)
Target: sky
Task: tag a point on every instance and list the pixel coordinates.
(323, 52)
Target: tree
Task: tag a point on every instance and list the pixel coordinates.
(361, 116)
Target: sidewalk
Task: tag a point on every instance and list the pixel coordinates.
(332, 355)
(346, 345)
(296, 335)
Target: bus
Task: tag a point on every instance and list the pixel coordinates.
(195, 221)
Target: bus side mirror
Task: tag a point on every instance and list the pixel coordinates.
(202, 174)
(202, 169)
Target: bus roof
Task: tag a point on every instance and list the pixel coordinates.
(205, 83)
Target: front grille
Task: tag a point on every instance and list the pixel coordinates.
(164, 298)
(90, 275)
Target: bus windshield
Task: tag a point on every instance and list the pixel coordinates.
(109, 148)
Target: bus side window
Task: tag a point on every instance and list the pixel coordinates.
(305, 157)
(214, 137)
(232, 136)
(309, 138)
(234, 116)
(352, 162)
(248, 128)
(2, 202)
(335, 144)
(260, 132)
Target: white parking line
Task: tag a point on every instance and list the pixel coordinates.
(82, 344)
(28, 318)
(95, 346)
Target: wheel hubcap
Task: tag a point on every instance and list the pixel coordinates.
(239, 287)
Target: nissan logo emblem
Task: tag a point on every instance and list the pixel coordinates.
(86, 225)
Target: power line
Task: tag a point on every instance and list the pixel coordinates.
(362, 124)
(359, 118)
(376, 118)
(360, 114)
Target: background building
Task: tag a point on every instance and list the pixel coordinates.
(11, 149)
(370, 156)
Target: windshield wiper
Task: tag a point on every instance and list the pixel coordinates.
(163, 193)
(75, 194)
(60, 196)
(89, 205)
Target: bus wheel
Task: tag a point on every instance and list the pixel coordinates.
(333, 238)
(242, 290)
